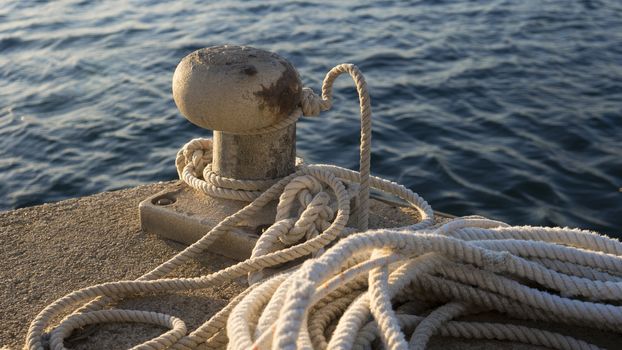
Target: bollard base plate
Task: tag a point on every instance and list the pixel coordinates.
(183, 214)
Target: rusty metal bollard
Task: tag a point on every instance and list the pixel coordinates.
(235, 91)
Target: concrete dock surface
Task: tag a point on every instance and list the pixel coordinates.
(50, 250)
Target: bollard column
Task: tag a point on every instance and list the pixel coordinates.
(255, 157)
(236, 90)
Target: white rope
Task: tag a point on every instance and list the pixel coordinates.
(401, 285)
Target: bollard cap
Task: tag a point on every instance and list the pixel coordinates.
(235, 88)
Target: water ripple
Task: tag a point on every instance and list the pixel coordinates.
(510, 109)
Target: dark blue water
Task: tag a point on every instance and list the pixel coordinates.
(510, 109)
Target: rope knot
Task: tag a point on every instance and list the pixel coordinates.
(312, 104)
(197, 152)
(314, 218)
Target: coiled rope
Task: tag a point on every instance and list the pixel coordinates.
(398, 286)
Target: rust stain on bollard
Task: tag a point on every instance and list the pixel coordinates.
(283, 96)
(250, 70)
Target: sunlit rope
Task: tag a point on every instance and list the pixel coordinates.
(398, 286)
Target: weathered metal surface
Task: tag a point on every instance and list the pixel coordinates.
(235, 88)
(254, 157)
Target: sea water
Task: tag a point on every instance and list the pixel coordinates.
(508, 109)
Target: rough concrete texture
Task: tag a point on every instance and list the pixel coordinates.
(50, 250)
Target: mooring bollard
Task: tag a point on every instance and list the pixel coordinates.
(245, 95)
(251, 99)
(238, 91)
